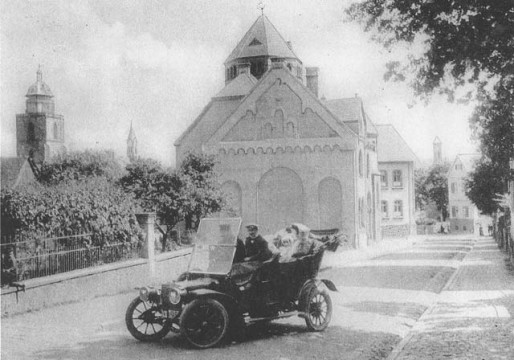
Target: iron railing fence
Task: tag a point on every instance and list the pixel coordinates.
(38, 257)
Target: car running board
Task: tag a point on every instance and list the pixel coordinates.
(249, 320)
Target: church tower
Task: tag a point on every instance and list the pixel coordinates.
(132, 145)
(438, 151)
(260, 47)
(39, 131)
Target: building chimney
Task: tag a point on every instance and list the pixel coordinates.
(311, 76)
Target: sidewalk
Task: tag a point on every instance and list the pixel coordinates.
(472, 317)
(344, 257)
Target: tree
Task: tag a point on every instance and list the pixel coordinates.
(437, 185)
(202, 192)
(432, 186)
(461, 45)
(482, 190)
(156, 190)
(188, 193)
(421, 192)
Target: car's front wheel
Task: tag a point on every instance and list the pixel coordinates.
(318, 310)
(204, 322)
(145, 321)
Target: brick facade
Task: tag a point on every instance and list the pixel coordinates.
(284, 156)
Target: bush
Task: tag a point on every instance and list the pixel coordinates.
(80, 166)
(425, 221)
(96, 206)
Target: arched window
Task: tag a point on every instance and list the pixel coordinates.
(56, 131)
(31, 133)
(289, 130)
(260, 68)
(278, 124)
(268, 131)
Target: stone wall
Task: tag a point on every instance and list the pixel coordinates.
(396, 231)
(86, 284)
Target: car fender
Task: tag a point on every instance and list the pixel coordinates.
(329, 284)
(227, 300)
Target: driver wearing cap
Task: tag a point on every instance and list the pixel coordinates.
(256, 246)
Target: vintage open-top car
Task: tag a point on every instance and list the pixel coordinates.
(215, 297)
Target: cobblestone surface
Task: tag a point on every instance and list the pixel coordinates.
(378, 303)
(473, 317)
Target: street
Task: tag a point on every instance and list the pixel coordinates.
(376, 311)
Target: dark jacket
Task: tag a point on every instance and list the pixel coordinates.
(240, 251)
(257, 249)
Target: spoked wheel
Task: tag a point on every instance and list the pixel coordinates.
(145, 321)
(204, 322)
(318, 310)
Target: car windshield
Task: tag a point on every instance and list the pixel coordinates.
(215, 245)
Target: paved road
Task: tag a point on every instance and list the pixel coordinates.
(378, 304)
(471, 318)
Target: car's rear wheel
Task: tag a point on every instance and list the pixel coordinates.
(318, 310)
(145, 321)
(204, 322)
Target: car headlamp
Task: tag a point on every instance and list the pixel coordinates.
(174, 296)
(143, 293)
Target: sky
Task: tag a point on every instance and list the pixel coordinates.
(157, 63)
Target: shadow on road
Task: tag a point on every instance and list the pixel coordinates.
(272, 341)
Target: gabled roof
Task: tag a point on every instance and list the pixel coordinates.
(347, 110)
(283, 76)
(391, 147)
(212, 116)
(240, 86)
(15, 171)
(351, 111)
(262, 39)
(467, 161)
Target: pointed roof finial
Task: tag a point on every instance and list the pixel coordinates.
(39, 73)
(261, 7)
(132, 133)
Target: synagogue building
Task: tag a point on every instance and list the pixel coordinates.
(285, 155)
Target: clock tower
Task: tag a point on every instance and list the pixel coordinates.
(39, 131)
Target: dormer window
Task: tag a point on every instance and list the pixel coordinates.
(255, 42)
(268, 131)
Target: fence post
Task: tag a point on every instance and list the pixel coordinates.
(147, 221)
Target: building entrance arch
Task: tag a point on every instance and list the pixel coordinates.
(280, 199)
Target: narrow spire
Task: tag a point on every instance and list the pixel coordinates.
(39, 73)
(261, 7)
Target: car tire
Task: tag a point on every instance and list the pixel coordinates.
(139, 318)
(318, 309)
(204, 322)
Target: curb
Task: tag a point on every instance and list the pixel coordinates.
(351, 256)
(428, 311)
